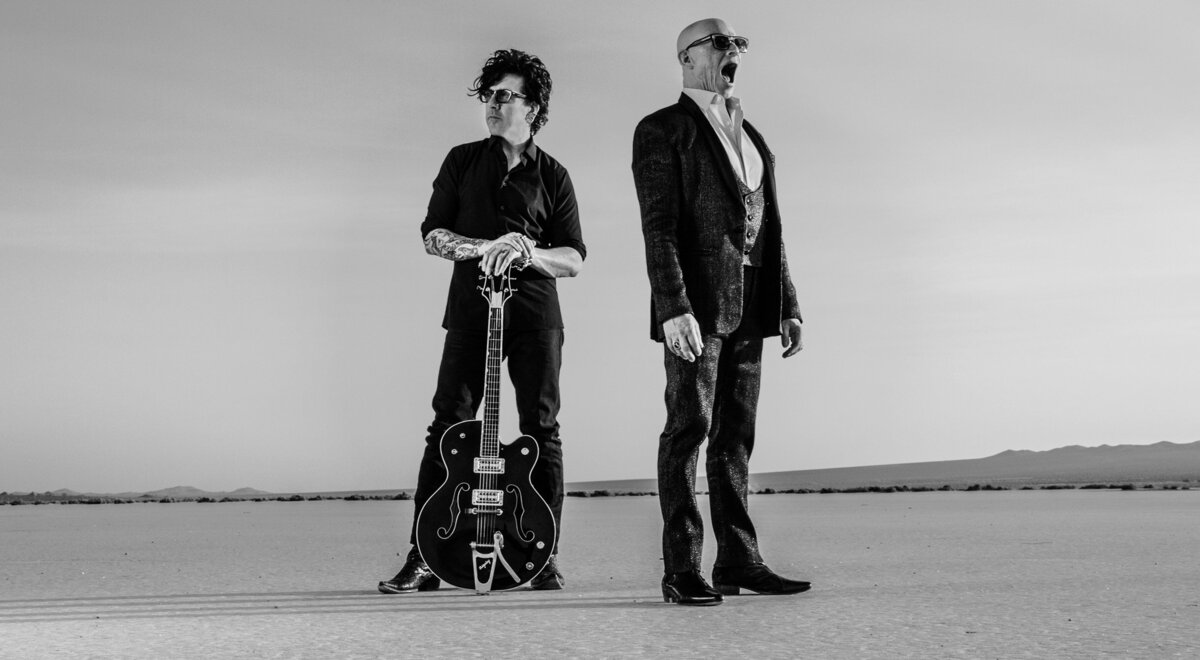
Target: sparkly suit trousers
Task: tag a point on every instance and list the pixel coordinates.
(534, 361)
(713, 398)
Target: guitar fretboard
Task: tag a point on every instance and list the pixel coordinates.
(489, 446)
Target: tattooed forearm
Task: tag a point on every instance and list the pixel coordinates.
(448, 245)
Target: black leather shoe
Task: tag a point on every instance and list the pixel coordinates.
(415, 576)
(550, 579)
(730, 580)
(688, 588)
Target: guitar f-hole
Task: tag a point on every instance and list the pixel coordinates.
(518, 515)
(446, 532)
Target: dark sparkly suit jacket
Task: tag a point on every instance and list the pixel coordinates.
(694, 223)
(693, 219)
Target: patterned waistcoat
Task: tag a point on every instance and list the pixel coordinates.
(752, 254)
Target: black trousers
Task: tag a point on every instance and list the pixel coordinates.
(713, 398)
(534, 361)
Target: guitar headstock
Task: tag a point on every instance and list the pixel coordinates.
(496, 289)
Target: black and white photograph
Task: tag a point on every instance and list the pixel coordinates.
(449, 329)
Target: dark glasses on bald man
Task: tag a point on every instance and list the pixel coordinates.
(723, 42)
(502, 95)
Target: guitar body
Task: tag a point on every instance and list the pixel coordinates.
(485, 528)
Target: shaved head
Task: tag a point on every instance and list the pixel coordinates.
(699, 30)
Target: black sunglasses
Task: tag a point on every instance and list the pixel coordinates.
(502, 95)
(723, 42)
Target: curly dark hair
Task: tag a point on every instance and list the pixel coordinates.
(528, 67)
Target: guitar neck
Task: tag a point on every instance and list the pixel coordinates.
(489, 445)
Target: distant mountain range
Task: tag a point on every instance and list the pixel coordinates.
(175, 492)
(1158, 464)
(189, 492)
(183, 492)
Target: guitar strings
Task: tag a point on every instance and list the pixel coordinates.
(485, 525)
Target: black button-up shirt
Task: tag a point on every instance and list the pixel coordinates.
(477, 196)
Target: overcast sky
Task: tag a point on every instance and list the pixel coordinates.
(211, 272)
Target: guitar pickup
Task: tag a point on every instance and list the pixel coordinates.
(483, 497)
(489, 465)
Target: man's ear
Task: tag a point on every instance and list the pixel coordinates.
(684, 58)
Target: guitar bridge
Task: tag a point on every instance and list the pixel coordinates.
(485, 511)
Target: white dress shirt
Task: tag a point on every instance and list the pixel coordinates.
(725, 116)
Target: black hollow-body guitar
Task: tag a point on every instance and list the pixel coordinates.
(486, 528)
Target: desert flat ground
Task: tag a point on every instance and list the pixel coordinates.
(1013, 574)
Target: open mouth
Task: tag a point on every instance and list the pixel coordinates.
(729, 71)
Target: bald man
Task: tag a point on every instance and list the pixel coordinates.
(719, 284)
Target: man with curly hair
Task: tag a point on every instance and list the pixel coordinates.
(499, 202)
